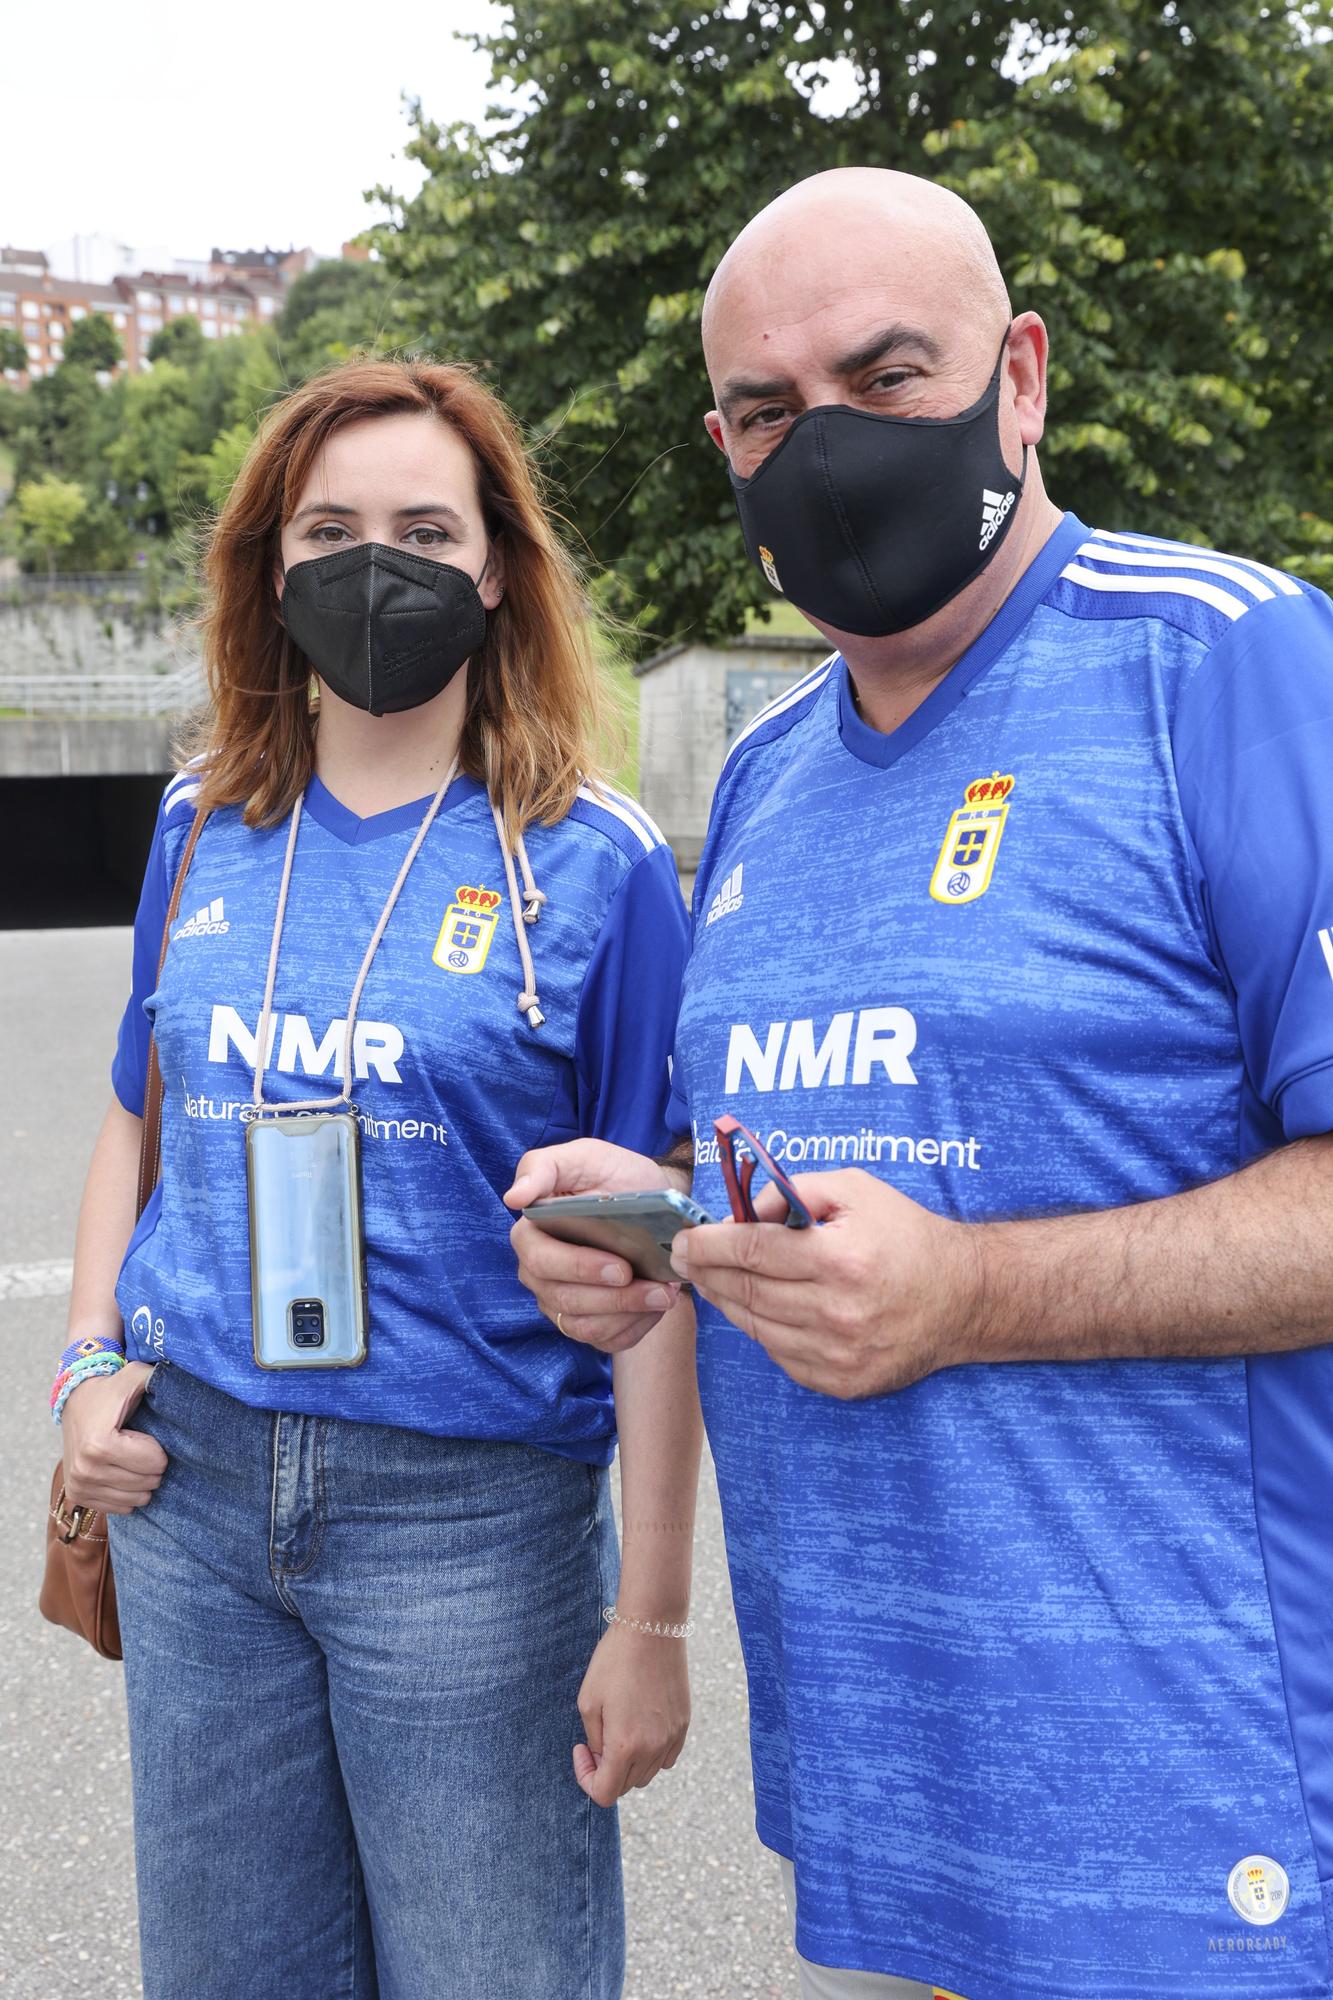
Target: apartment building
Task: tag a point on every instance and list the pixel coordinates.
(277, 266)
(42, 308)
(218, 308)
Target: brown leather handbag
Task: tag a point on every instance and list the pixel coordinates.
(78, 1589)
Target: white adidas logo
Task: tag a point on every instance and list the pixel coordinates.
(994, 512)
(208, 922)
(1326, 946)
(728, 897)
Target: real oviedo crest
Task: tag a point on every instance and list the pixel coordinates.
(967, 858)
(467, 930)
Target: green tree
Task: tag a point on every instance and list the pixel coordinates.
(63, 424)
(66, 423)
(151, 458)
(102, 538)
(93, 343)
(180, 340)
(334, 310)
(1156, 175)
(13, 351)
(235, 381)
(153, 452)
(49, 512)
(11, 414)
(218, 466)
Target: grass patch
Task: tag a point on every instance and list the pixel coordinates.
(786, 621)
(626, 775)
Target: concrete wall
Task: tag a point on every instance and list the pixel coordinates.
(63, 747)
(684, 732)
(94, 638)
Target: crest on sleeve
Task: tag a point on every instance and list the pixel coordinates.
(967, 857)
(467, 930)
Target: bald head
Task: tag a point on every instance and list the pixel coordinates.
(864, 287)
(860, 223)
(878, 293)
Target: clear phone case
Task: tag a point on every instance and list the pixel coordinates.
(307, 1254)
(638, 1227)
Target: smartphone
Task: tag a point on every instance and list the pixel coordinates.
(307, 1253)
(637, 1227)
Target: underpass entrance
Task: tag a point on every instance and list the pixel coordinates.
(74, 848)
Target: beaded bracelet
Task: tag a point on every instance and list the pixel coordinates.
(98, 1364)
(88, 1347)
(107, 1364)
(76, 1366)
(66, 1384)
(658, 1627)
(90, 1344)
(115, 1355)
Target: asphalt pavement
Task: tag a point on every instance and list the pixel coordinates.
(704, 1904)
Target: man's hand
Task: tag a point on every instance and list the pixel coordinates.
(635, 1705)
(596, 1296)
(106, 1466)
(882, 1294)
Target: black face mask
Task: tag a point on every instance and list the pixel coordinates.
(387, 629)
(871, 524)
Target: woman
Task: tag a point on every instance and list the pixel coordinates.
(358, 1602)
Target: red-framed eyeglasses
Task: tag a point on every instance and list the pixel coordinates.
(741, 1156)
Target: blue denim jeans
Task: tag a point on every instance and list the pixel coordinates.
(353, 1656)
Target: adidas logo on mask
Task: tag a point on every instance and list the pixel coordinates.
(208, 922)
(994, 512)
(728, 897)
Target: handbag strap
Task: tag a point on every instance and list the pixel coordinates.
(150, 1151)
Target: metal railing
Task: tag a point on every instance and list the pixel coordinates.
(109, 696)
(124, 583)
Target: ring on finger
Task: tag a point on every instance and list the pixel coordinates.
(559, 1323)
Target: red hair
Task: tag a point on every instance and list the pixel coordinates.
(539, 703)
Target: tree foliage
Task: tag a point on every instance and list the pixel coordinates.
(150, 458)
(1156, 176)
(153, 453)
(13, 351)
(93, 343)
(333, 311)
(49, 511)
(180, 340)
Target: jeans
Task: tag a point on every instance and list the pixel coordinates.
(353, 1656)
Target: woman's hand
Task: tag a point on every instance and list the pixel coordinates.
(589, 1295)
(105, 1466)
(635, 1704)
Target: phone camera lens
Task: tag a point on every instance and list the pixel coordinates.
(307, 1323)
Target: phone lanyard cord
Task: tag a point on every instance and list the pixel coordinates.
(266, 1017)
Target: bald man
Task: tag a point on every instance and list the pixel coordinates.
(1015, 924)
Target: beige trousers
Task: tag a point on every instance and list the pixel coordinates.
(825, 1982)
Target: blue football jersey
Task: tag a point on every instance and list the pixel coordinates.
(1041, 1656)
(451, 1083)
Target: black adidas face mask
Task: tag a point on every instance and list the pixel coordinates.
(872, 524)
(386, 628)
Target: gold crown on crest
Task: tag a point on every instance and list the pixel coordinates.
(479, 899)
(989, 791)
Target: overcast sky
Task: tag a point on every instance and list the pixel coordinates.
(166, 122)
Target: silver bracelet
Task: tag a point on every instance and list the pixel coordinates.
(658, 1627)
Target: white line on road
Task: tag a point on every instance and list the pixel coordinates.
(35, 1281)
